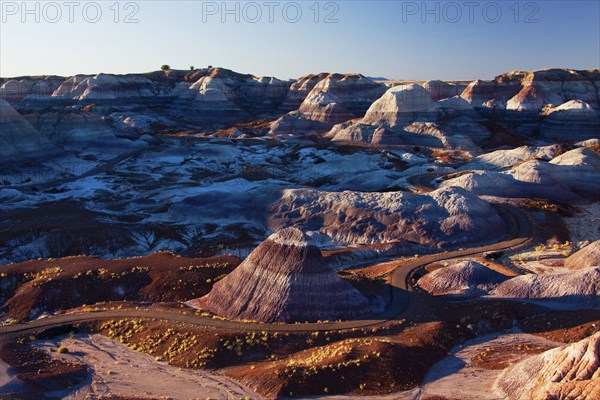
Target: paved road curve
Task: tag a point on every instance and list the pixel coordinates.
(520, 235)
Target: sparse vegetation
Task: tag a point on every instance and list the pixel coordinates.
(76, 281)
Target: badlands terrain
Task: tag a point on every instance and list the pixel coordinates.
(211, 234)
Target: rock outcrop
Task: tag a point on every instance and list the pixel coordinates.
(338, 98)
(19, 140)
(572, 289)
(209, 100)
(17, 89)
(562, 179)
(587, 257)
(441, 218)
(522, 91)
(466, 278)
(220, 97)
(285, 279)
(83, 133)
(502, 159)
(399, 105)
(105, 87)
(568, 372)
(440, 90)
(455, 103)
(559, 104)
(252, 93)
(571, 121)
(490, 94)
(334, 99)
(299, 90)
(407, 115)
(533, 97)
(578, 169)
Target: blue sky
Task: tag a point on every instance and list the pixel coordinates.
(394, 39)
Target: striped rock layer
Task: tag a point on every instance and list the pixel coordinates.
(589, 256)
(285, 279)
(570, 372)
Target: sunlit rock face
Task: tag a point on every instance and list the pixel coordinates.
(564, 179)
(440, 90)
(571, 289)
(466, 278)
(17, 89)
(587, 257)
(105, 87)
(503, 159)
(299, 90)
(532, 91)
(490, 94)
(568, 372)
(285, 279)
(571, 121)
(406, 114)
(336, 98)
(400, 104)
(222, 97)
(557, 104)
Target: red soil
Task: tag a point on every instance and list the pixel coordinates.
(70, 282)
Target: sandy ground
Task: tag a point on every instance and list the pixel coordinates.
(585, 225)
(457, 376)
(119, 370)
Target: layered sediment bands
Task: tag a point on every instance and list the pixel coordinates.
(285, 279)
(17, 89)
(573, 289)
(563, 179)
(105, 87)
(220, 96)
(400, 104)
(299, 90)
(467, 278)
(406, 114)
(589, 256)
(441, 218)
(334, 99)
(338, 98)
(571, 121)
(440, 90)
(569, 372)
(19, 140)
(532, 91)
(82, 132)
